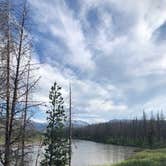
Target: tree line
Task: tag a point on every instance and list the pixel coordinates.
(145, 132)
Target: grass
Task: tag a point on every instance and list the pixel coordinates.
(34, 138)
(146, 158)
(1, 140)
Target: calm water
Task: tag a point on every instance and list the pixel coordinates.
(88, 153)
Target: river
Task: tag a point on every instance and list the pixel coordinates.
(88, 153)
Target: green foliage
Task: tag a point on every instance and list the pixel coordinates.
(148, 133)
(146, 158)
(56, 151)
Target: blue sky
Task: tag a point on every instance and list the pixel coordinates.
(112, 52)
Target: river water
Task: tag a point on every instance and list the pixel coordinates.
(88, 153)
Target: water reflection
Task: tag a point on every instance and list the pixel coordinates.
(87, 153)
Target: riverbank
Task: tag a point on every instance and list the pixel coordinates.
(138, 145)
(146, 158)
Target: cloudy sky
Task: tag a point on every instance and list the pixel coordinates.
(113, 53)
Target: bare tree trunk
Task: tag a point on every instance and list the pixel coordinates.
(38, 152)
(70, 127)
(25, 118)
(16, 80)
(7, 137)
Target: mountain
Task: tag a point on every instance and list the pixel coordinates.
(118, 120)
(39, 126)
(42, 126)
(78, 123)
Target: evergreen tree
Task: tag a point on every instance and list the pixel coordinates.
(56, 151)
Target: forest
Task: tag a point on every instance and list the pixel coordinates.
(144, 132)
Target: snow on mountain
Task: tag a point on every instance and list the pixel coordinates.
(75, 123)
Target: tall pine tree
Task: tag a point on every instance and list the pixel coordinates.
(56, 151)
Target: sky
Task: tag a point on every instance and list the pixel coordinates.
(112, 52)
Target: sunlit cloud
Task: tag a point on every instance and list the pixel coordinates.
(112, 52)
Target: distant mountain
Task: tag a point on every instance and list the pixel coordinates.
(118, 120)
(42, 126)
(78, 123)
(39, 126)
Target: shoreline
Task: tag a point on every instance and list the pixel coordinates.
(143, 147)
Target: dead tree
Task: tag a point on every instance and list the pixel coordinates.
(70, 127)
(25, 117)
(15, 72)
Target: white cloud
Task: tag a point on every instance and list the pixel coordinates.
(60, 22)
(127, 59)
(137, 43)
(87, 96)
(101, 105)
(158, 103)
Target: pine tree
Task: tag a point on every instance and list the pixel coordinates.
(56, 151)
